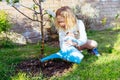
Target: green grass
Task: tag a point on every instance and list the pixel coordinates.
(106, 67)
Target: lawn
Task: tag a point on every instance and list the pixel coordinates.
(105, 67)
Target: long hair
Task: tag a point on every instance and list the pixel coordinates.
(69, 16)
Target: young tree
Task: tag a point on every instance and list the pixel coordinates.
(38, 13)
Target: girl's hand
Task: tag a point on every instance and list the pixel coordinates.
(69, 42)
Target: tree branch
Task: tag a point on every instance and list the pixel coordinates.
(25, 14)
(30, 9)
(36, 2)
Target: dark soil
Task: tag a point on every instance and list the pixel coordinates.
(56, 67)
(49, 68)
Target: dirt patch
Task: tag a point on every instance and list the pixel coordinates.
(56, 67)
(49, 68)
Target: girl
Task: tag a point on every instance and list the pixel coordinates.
(66, 21)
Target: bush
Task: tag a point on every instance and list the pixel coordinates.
(4, 27)
(4, 22)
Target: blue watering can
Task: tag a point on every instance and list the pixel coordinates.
(67, 52)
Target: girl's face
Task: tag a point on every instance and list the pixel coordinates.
(61, 21)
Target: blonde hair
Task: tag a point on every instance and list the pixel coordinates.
(69, 16)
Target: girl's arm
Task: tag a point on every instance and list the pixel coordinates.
(83, 36)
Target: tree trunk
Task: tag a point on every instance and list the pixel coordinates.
(42, 26)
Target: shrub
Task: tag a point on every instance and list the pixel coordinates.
(4, 27)
(4, 22)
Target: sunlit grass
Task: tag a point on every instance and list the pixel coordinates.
(24, 76)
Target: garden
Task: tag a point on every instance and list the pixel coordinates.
(22, 62)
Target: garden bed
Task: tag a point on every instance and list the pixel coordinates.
(48, 68)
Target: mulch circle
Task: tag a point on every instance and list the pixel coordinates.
(49, 68)
(56, 67)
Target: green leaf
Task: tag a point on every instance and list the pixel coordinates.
(12, 1)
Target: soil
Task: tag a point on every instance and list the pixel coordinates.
(56, 67)
(49, 68)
